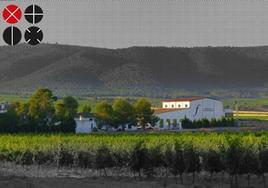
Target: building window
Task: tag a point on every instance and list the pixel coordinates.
(166, 106)
(186, 106)
(179, 106)
(172, 106)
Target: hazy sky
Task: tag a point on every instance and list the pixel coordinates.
(124, 23)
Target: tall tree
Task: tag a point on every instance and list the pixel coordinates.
(104, 114)
(123, 112)
(70, 107)
(65, 113)
(144, 113)
(41, 106)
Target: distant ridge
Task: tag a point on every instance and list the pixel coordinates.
(153, 71)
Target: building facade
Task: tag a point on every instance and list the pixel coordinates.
(85, 123)
(193, 108)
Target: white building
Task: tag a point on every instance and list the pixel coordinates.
(85, 123)
(4, 107)
(193, 108)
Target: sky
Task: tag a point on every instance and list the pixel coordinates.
(125, 23)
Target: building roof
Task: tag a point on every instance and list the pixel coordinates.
(165, 110)
(184, 99)
(84, 115)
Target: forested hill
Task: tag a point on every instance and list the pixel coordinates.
(131, 71)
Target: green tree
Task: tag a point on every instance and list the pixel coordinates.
(86, 109)
(70, 107)
(24, 122)
(144, 113)
(104, 114)
(161, 123)
(65, 113)
(123, 112)
(174, 123)
(8, 121)
(41, 106)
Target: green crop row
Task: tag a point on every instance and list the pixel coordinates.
(143, 153)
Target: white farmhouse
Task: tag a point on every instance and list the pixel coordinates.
(4, 107)
(193, 108)
(85, 123)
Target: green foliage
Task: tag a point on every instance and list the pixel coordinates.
(161, 123)
(104, 114)
(204, 123)
(40, 114)
(41, 105)
(144, 113)
(85, 109)
(213, 162)
(123, 112)
(174, 123)
(146, 153)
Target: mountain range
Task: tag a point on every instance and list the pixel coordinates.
(149, 71)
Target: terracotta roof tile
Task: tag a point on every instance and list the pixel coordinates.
(164, 110)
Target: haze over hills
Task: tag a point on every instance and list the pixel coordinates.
(150, 71)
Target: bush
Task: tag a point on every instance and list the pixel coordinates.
(212, 162)
(103, 159)
(177, 163)
(204, 123)
(138, 158)
(84, 159)
(192, 161)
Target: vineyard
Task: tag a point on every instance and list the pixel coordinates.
(145, 154)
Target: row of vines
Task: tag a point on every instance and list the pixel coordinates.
(144, 154)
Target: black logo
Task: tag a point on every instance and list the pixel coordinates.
(33, 14)
(12, 14)
(12, 35)
(33, 35)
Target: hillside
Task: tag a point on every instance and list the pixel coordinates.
(153, 71)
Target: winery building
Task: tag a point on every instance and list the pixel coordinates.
(193, 108)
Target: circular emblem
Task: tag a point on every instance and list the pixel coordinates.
(12, 14)
(12, 35)
(33, 35)
(33, 14)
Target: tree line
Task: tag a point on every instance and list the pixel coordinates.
(205, 123)
(46, 113)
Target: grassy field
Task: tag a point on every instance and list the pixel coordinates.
(251, 115)
(257, 104)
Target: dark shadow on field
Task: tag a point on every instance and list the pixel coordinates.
(113, 182)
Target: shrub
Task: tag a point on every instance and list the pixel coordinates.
(137, 158)
(212, 162)
(177, 163)
(192, 161)
(103, 159)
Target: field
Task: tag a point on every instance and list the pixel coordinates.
(183, 157)
(247, 104)
(251, 115)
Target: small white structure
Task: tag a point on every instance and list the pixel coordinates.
(193, 108)
(85, 123)
(4, 107)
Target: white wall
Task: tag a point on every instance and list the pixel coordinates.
(199, 109)
(180, 104)
(84, 125)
